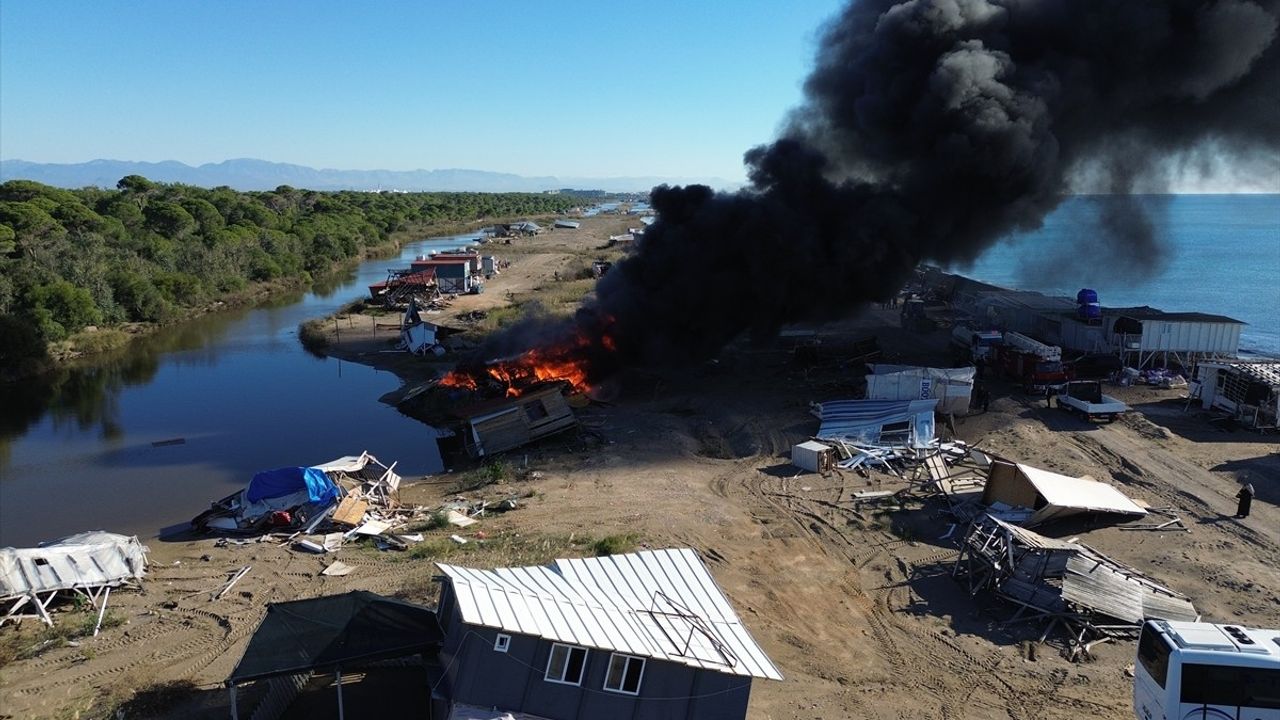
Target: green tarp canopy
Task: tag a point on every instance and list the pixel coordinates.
(325, 634)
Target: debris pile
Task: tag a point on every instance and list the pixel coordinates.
(1064, 582)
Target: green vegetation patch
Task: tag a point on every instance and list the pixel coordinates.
(150, 252)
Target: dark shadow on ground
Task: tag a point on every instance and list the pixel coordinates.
(784, 470)
(378, 694)
(1196, 424)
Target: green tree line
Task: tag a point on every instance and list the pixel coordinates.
(145, 251)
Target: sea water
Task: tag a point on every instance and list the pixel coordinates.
(1217, 254)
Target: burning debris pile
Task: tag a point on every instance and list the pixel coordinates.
(930, 130)
(576, 360)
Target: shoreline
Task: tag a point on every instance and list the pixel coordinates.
(701, 460)
(85, 346)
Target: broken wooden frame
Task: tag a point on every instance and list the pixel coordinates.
(1065, 583)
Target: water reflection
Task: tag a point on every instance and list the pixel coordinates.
(78, 447)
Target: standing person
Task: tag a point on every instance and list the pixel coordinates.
(1048, 396)
(1246, 499)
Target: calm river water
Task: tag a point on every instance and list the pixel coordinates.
(76, 450)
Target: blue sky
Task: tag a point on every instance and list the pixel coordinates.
(677, 89)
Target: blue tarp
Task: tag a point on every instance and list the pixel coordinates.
(285, 481)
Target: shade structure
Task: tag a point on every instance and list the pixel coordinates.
(327, 633)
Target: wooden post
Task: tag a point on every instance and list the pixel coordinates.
(340, 712)
(337, 336)
(102, 612)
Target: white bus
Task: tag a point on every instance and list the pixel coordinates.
(1201, 671)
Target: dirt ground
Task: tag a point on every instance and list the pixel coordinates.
(858, 610)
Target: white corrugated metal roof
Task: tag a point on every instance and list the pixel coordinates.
(661, 604)
(86, 560)
(1063, 492)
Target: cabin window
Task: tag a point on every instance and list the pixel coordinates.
(41, 562)
(566, 664)
(535, 410)
(502, 642)
(624, 674)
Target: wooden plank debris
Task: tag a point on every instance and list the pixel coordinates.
(231, 583)
(351, 511)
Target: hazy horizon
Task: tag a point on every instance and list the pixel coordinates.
(575, 89)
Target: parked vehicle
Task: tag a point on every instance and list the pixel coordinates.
(1202, 671)
(1034, 363)
(913, 316)
(1085, 398)
(975, 345)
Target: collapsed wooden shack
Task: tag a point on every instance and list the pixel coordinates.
(1063, 582)
(87, 565)
(497, 425)
(1030, 496)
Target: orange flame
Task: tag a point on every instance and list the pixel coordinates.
(566, 362)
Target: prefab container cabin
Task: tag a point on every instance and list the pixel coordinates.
(453, 275)
(1146, 334)
(643, 635)
(499, 425)
(951, 387)
(1248, 391)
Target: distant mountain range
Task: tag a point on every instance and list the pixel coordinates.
(250, 174)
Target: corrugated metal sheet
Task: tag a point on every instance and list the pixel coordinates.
(660, 604)
(1263, 372)
(864, 420)
(86, 560)
(1103, 587)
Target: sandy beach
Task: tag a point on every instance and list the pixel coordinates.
(857, 609)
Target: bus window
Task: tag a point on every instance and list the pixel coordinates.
(1231, 686)
(1153, 653)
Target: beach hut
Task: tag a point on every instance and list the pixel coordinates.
(507, 423)
(1146, 334)
(646, 635)
(907, 423)
(1247, 391)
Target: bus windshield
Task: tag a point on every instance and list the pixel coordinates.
(1153, 653)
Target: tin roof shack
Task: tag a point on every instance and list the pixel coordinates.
(1247, 391)
(329, 634)
(1034, 496)
(951, 387)
(908, 423)
(642, 635)
(88, 564)
(497, 425)
(453, 274)
(1145, 334)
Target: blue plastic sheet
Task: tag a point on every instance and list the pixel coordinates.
(285, 481)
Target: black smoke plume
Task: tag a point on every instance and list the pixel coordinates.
(931, 129)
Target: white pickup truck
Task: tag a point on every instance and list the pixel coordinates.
(1085, 398)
